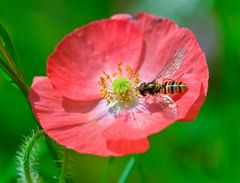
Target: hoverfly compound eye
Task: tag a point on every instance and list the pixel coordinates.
(143, 85)
(142, 89)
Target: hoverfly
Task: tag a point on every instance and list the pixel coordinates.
(159, 90)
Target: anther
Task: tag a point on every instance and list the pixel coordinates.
(120, 68)
(128, 69)
(107, 76)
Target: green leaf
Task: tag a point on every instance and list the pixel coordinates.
(6, 43)
(9, 63)
(6, 72)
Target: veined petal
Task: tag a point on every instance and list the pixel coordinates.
(75, 124)
(148, 118)
(138, 123)
(80, 58)
(186, 100)
(162, 37)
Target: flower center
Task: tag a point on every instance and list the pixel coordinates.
(120, 85)
(119, 88)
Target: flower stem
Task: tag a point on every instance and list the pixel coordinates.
(107, 170)
(52, 149)
(27, 154)
(127, 171)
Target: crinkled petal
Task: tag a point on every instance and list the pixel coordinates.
(148, 118)
(194, 110)
(80, 58)
(186, 100)
(139, 122)
(74, 124)
(162, 38)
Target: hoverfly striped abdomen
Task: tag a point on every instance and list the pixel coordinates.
(172, 87)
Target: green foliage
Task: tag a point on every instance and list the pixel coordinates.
(7, 73)
(9, 63)
(6, 42)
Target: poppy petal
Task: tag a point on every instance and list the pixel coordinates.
(150, 119)
(138, 123)
(186, 100)
(75, 124)
(80, 58)
(194, 110)
(162, 37)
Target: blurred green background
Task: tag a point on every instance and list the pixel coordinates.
(206, 150)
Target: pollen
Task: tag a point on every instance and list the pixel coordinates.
(120, 87)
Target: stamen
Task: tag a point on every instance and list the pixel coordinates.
(120, 69)
(129, 70)
(114, 74)
(120, 91)
(107, 76)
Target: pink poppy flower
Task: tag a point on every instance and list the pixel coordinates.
(90, 101)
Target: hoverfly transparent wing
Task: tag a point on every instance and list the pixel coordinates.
(172, 65)
(167, 105)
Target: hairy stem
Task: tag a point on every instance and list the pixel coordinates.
(27, 154)
(62, 177)
(127, 171)
(52, 149)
